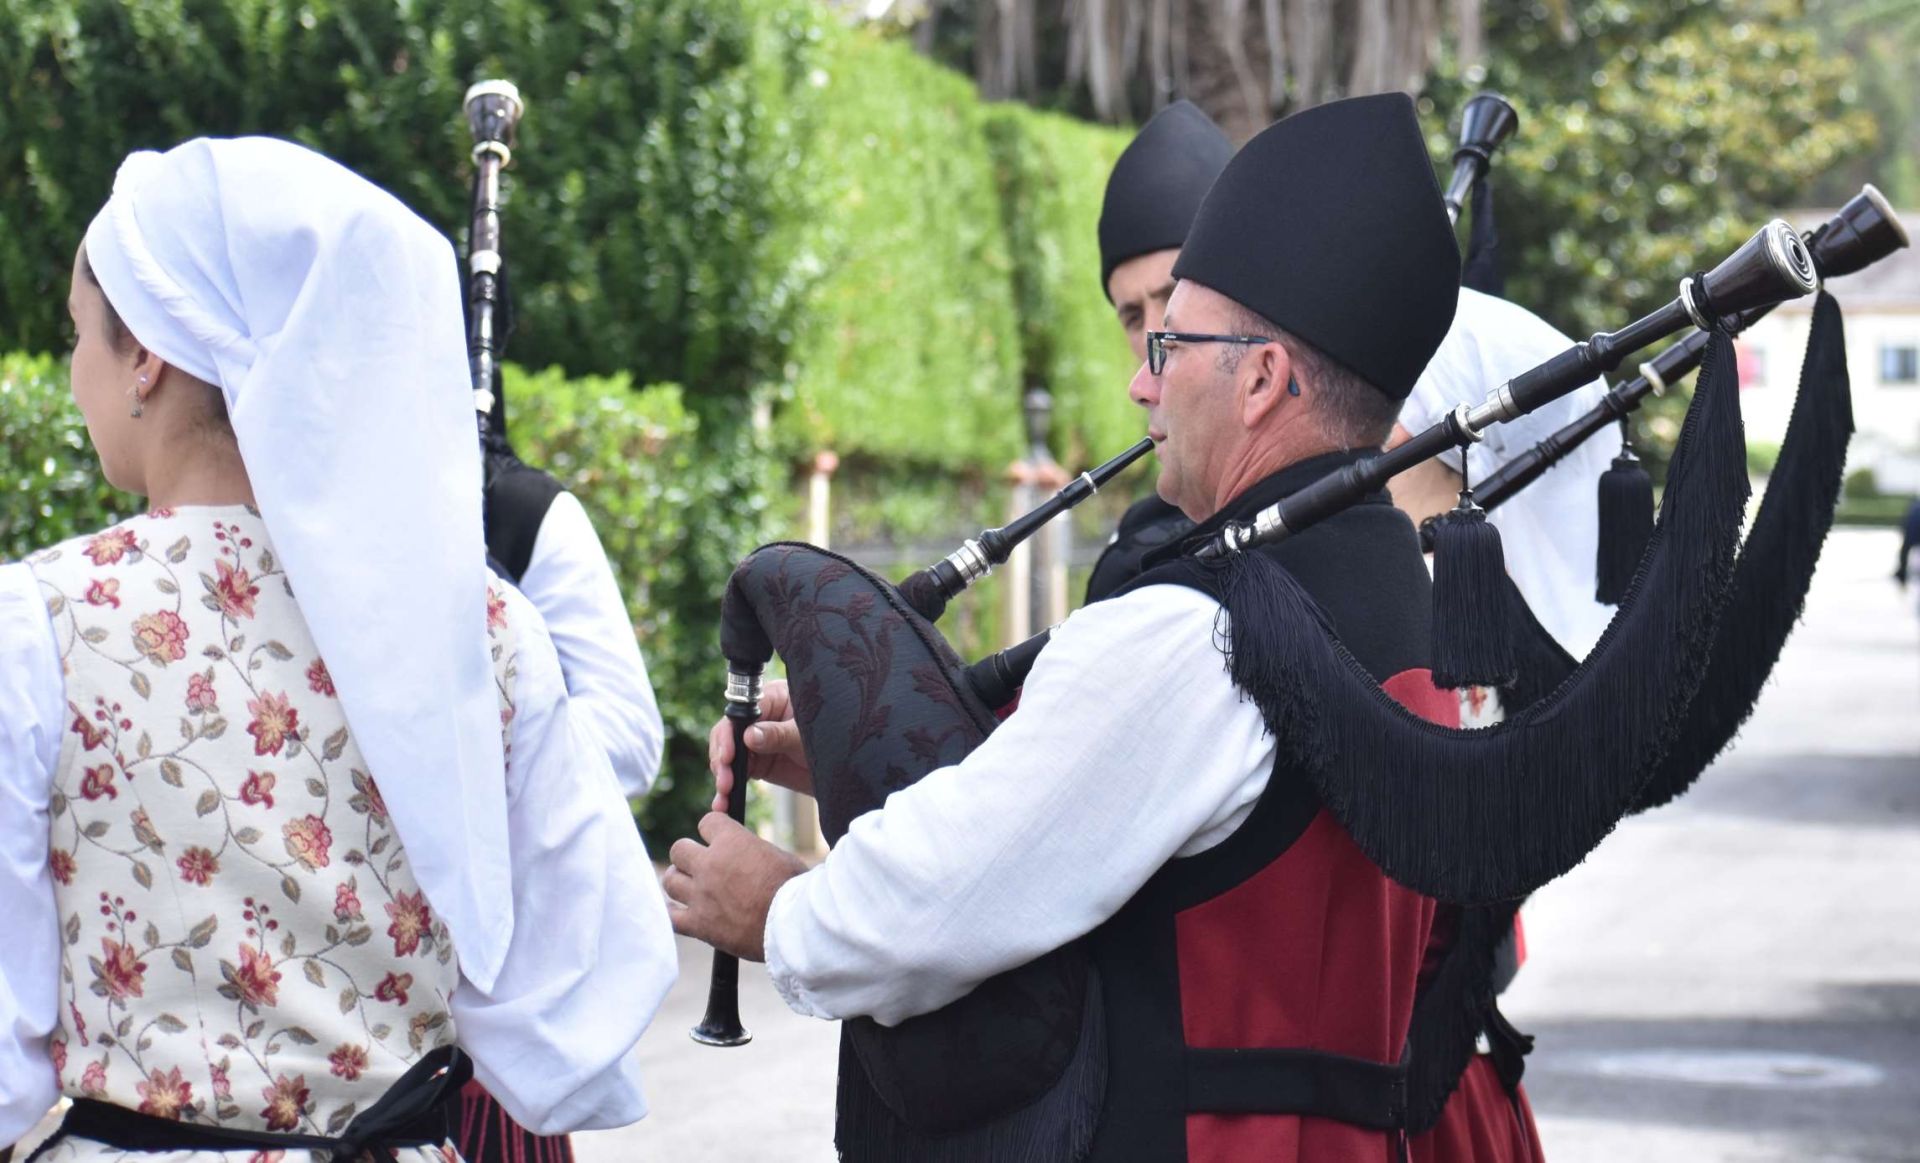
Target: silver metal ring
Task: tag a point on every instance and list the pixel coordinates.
(743, 688)
(970, 562)
(483, 400)
(1688, 301)
(484, 262)
(1791, 256)
(497, 149)
(1092, 487)
(1463, 424)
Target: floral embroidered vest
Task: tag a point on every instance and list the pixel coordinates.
(244, 942)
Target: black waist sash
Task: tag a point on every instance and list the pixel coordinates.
(410, 1114)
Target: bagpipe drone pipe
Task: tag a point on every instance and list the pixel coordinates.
(881, 699)
(516, 495)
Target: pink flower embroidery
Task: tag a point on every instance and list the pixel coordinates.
(164, 1094)
(90, 735)
(161, 636)
(411, 917)
(274, 719)
(109, 547)
(256, 980)
(61, 862)
(234, 591)
(286, 1102)
(93, 1080)
(348, 1061)
(266, 1157)
(120, 971)
(376, 803)
(198, 866)
(222, 1088)
(98, 783)
(308, 841)
(393, 987)
(496, 610)
(57, 1050)
(258, 788)
(318, 680)
(200, 692)
(346, 901)
(79, 1022)
(105, 592)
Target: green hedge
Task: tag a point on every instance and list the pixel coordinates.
(656, 165)
(910, 350)
(50, 484)
(1052, 172)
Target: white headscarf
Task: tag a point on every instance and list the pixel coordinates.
(1550, 530)
(329, 315)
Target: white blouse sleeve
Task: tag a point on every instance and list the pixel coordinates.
(1131, 746)
(570, 582)
(592, 953)
(32, 697)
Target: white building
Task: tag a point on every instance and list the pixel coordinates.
(1881, 305)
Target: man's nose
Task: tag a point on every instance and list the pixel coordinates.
(1145, 388)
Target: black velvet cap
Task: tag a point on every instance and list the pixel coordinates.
(1158, 183)
(1330, 224)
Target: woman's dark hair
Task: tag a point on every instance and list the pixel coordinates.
(117, 334)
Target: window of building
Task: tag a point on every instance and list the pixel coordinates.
(1899, 363)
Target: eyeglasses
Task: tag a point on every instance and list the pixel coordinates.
(1157, 344)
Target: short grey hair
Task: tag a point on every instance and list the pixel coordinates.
(1350, 411)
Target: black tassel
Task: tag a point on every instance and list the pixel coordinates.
(1626, 522)
(1492, 814)
(1472, 624)
(1777, 563)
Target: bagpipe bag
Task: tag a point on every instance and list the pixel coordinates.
(1016, 1069)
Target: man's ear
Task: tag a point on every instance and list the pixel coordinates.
(1265, 381)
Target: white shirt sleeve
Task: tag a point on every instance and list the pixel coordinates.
(570, 582)
(1131, 746)
(32, 699)
(592, 954)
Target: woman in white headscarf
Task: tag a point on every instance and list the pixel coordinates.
(257, 746)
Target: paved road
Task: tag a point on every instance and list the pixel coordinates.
(1732, 979)
(1737, 976)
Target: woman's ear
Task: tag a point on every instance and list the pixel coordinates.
(148, 370)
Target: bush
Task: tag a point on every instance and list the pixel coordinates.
(909, 350)
(1052, 174)
(647, 474)
(51, 487)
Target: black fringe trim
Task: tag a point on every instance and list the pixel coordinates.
(1450, 1011)
(1776, 565)
(1492, 814)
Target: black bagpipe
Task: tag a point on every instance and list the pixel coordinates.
(517, 495)
(881, 699)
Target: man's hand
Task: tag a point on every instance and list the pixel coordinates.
(774, 743)
(720, 891)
